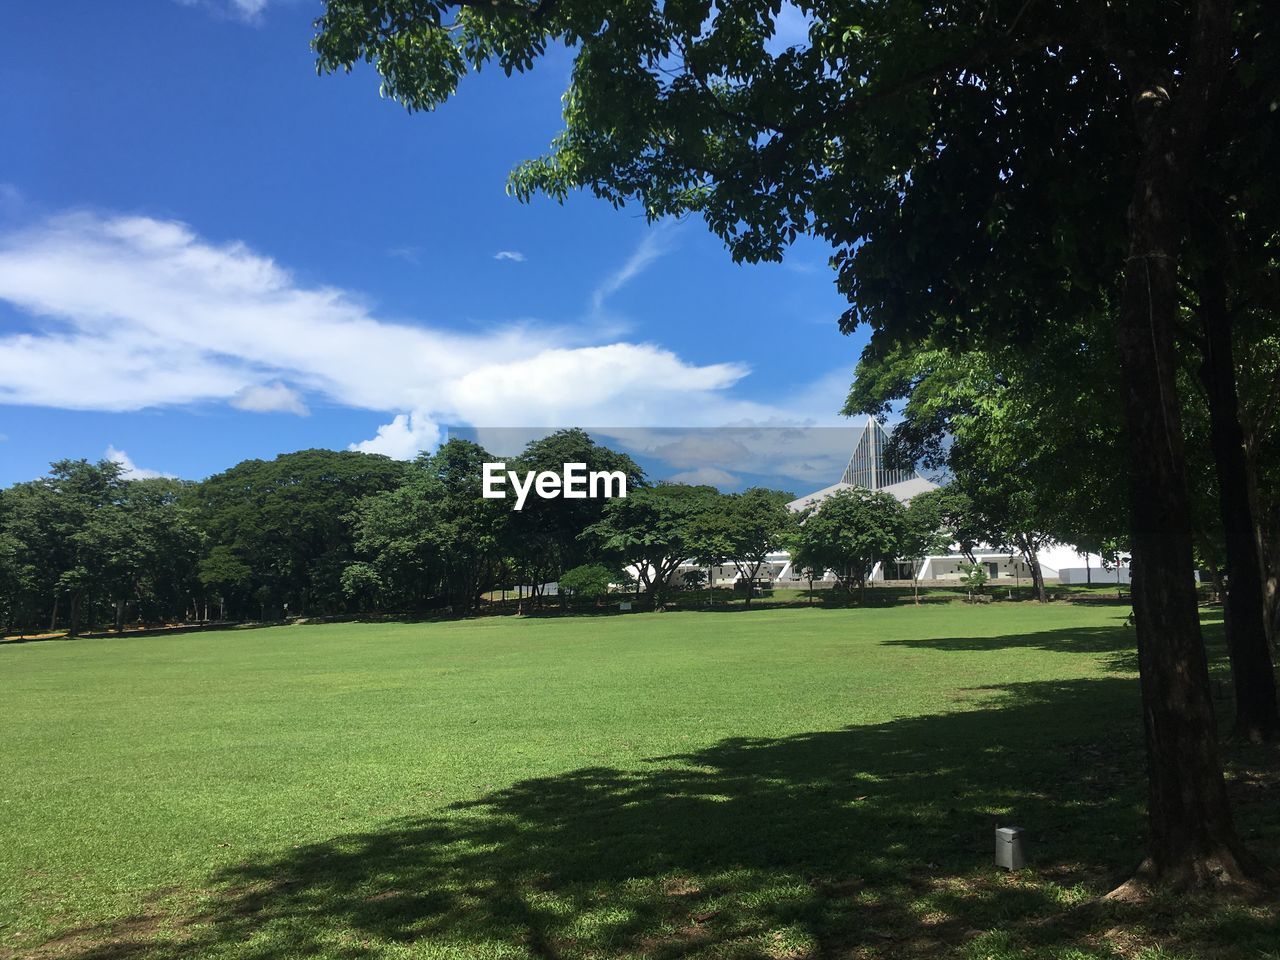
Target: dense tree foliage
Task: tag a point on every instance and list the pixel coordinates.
(653, 530)
(742, 529)
(83, 539)
(850, 533)
(433, 540)
(285, 519)
(545, 535)
(935, 522)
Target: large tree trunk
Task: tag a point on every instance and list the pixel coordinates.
(1037, 578)
(1271, 600)
(1028, 548)
(1252, 673)
(1267, 530)
(1191, 833)
(1192, 837)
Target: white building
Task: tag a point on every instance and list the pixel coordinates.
(866, 469)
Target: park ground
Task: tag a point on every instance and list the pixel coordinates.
(765, 783)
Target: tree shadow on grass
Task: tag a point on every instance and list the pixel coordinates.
(871, 841)
(1107, 639)
(1119, 642)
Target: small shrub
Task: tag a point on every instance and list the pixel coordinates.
(974, 577)
(590, 581)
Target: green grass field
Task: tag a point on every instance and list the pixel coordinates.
(774, 783)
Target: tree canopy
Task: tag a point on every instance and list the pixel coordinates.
(849, 533)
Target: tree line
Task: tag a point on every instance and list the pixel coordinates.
(323, 532)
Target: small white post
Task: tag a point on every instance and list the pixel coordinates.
(1009, 849)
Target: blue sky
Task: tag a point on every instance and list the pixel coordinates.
(208, 253)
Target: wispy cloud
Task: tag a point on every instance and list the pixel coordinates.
(131, 470)
(133, 313)
(247, 10)
(11, 197)
(654, 244)
(514, 256)
(250, 8)
(410, 255)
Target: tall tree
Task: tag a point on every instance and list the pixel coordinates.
(849, 533)
(87, 524)
(653, 530)
(544, 534)
(167, 546)
(13, 582)
(1031, 461)
(469, 531)
(434, 539)
(743, 529)
(936, 146)
(286, 519)
(935, 520)
(1260, 401)
(1232, 280)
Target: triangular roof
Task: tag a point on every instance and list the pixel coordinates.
(866, 469)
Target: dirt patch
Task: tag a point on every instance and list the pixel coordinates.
(113, 940)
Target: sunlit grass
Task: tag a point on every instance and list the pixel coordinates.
(771, 783)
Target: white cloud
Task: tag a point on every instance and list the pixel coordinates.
(133, 313)
(404, 437)
(269, 398)
(131, 470)
(513, 255)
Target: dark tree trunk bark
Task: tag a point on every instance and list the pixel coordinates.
(119, 621)
(1192, 838)
(73, 628)
(1271, 598)
(1252, 672)
(1027, 547)
(1033, 564)
(1191, 832)
(1037, 578)
(1219, 586)
(53, 617)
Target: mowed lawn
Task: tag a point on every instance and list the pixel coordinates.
(777, 783)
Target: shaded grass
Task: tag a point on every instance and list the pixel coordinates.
(793, 783)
